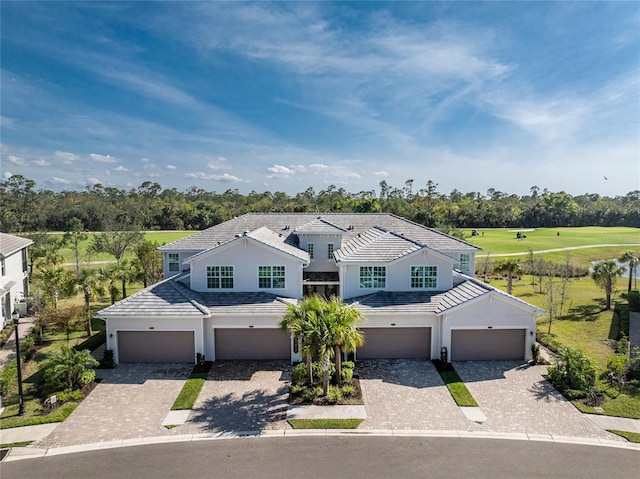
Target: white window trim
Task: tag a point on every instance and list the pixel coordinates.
(330, 254)
(220, 277)
(360, 286)
(170, 262)
(310, 250)
(284, 277)
(424, 278)
(468, 261)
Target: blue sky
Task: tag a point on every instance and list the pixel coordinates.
(284, 96)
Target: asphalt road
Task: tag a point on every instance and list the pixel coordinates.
(337, 457)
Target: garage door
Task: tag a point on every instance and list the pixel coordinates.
(252, 344)
(485, 344)
(156, 347)
(393, 343)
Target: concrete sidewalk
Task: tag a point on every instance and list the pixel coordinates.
(26, 433)
(8, 350)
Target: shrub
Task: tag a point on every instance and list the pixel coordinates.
(623, 344)
(296, 389)
(347, 375)
(535, 352)
(66, 396)
(634, 301)
(107, 361)
(299, 373)
(573, 373)
(66, 369)
(92, 343)
(317, 370)
(312, 393)
(334, 394)
(348, 390)
(348, 365)
(8, 376)
(444, 355)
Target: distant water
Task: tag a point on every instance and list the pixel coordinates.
(626, 269)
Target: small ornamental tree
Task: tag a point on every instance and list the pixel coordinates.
(574, 374)
(605, 274)
(69, 369)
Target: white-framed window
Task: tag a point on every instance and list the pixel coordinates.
(465, 261)
(330, 251)
(310, 250)
(373, 277)
(424, 276)
(220, 277)
(2, 266)
(174, 262)
(271, 277)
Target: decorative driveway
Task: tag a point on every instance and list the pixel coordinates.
(516, 397)
(242, 396)
(133, 400)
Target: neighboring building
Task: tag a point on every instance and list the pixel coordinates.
(228, 286)
(14, 280)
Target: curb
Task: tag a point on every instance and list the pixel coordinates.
(16, 454)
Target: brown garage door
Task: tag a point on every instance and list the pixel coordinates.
(393, 343)
(156, 347)
(486, 344)
(252, 344)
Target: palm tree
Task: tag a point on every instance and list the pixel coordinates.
(511, 268)
(109, 275)
(92, 285)
(346, 338)
(605, 273)
(52, 278)
(632, 258)
(298, 321)
(67, 366)
(125, 271)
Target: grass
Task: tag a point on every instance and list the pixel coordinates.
(192, 387)
(324, 423)
(161, 237)
(629, 436)
(15, 444)
(456, 387)
(11, 419)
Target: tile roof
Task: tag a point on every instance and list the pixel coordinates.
(244, 303)
(265, 236)
(167, 298)
(376, 245)
(9, 244)
(288, 223)
(320, 226)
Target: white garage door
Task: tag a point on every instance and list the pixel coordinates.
(252, 344)
(156, 347)
(487, 344)
(395, 343)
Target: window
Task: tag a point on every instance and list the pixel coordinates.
(465, 260)
(271, 277)
(4, 271)
(373, 277)
(174, 262)
(24, 260)
(220, 277)
(424, 276)
(330, 251)
(310, 250)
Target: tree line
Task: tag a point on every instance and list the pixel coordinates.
(24, 208)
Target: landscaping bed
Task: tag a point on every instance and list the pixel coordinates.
(304, 392)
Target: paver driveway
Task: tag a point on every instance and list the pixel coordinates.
(516, 397)
(130, 402)
(242, 396)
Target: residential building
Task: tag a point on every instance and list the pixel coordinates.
(14, 277)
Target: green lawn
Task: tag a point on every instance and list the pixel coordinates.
(325, 423)
(161, 237)
(496, 242)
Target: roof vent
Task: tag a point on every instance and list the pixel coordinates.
(245, 233)
(237, 236)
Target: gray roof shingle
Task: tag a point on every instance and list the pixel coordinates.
(9, 244)
(376, 245)
(288, 223)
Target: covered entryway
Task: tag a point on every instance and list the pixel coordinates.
(487, 344)
(156, 347)
(252, 344)
(395, 343)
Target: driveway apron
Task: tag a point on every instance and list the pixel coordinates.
(516, 397)
(408, 394)
(242, 396)
(130, 402)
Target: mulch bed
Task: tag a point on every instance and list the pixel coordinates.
(352, 399)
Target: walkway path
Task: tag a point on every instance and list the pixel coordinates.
(568, 248)
(8, 351)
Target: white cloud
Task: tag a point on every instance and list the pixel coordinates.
(280, 171)
(103, 158)
(7, 175)
(224, 178)
(41, 162)
(219, 163)
(145, 160)
(60, 181)
(93, 181)
(120, 168)
(65, 157)
(171, 167)
(16, 160)
(380, 173)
